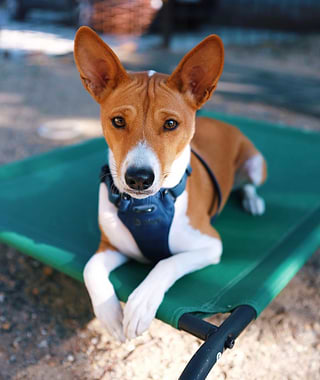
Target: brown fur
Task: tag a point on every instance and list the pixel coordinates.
(104, 243)
(225, 149)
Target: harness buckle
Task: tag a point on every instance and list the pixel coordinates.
(144, 209)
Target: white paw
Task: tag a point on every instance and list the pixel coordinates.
(105, 304)
(251, 201)
(254, 205)
(110, 315)
(140, 309)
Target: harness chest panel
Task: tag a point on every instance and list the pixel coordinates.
(149, 220)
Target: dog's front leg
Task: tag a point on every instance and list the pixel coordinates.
(144, 301)
(105, 303)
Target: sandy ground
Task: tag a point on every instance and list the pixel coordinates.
(46, 324)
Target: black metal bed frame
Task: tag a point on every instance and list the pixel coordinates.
(217, 339)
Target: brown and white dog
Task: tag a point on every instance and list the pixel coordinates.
(149, 122)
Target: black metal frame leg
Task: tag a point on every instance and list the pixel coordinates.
(217, 339)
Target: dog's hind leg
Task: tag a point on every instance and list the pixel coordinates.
(251, 201)
(250, 174)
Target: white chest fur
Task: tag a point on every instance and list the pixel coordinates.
(183, 237)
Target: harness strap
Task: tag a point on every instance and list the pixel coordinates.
(113, 192)
(115, 196)
(180, 187)
(214, 181)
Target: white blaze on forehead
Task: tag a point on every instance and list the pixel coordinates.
(150, 73)
(142, 155)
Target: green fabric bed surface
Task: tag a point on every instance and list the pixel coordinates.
(48, 210)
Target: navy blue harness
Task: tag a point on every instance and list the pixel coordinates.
(149, 220)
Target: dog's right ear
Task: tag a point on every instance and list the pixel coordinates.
(100, 69)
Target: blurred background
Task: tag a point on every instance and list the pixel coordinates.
(272, 72)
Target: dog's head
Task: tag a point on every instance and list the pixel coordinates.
(148, 119)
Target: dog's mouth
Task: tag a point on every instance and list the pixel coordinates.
(139, 194)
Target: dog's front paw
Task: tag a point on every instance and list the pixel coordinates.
(110, 315)
(140, 310)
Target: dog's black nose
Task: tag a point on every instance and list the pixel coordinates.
(139, 178)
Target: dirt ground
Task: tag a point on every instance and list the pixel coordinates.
(47, 329)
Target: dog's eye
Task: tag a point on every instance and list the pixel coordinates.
(118, 122)
(170, 124)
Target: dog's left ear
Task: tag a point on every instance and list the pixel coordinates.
(199, 71)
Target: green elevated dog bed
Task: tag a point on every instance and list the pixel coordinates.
(48, 209)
